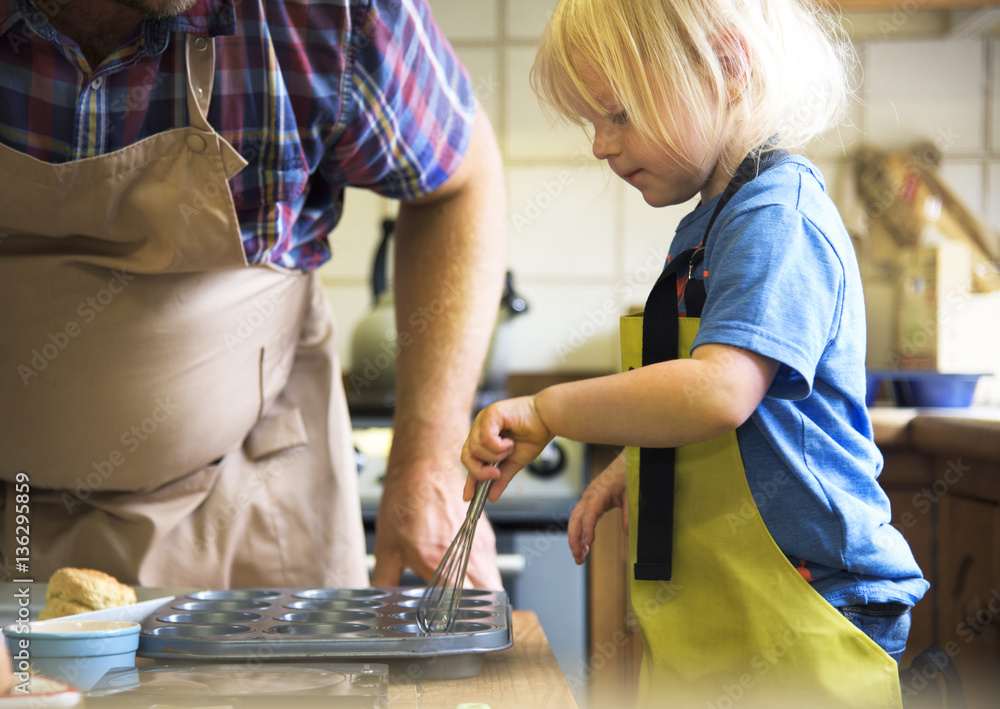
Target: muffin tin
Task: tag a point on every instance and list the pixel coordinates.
(346, 624)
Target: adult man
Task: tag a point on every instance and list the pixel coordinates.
(168, 378)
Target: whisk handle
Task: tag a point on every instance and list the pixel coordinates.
(479, 499)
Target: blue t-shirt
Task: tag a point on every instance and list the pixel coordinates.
(782, 280)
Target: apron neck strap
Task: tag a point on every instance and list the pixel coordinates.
(660, 343)
(753, 165)
(200, 57)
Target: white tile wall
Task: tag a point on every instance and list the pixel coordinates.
(483, 64)
(585, 247)
(462, 20)
(646, 234)
(571, 327)
(355, 239)
(927, 89)
(531, 133)
(562, 222)
(527, 18)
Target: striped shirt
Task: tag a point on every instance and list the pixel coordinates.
(316, 95)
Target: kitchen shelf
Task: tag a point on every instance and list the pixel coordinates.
(883, 20)
(902, 6)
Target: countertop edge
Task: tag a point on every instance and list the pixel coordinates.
(973, 432)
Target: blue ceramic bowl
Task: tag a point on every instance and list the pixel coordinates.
(78, 652)
(873, 386)
(932, 389)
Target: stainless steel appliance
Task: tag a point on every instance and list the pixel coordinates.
(530, 524)
(376, 342)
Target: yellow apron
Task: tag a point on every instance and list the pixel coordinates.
(179, 415)
(730, 622)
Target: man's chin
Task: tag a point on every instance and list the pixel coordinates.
(157, 8)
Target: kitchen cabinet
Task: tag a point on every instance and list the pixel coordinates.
(967, 581)
(615, 645)
(942, 476)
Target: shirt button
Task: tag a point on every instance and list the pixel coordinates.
(196, 143)
(97, 83)
(201, 44)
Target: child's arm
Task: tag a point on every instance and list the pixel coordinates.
(662, 405)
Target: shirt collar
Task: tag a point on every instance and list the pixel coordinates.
(209, 18)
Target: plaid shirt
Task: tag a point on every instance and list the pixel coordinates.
(316, 94)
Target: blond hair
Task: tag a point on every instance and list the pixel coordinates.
(746, 71)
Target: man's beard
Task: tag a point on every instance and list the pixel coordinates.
(157, 8)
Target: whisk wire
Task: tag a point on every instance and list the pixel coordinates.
(438, 607)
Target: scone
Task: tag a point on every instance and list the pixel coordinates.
(73, 591)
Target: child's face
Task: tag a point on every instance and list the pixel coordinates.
(663, 176)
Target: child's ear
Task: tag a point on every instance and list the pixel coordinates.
(733, 53)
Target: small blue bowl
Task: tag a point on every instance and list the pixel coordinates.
(934, 389)
(78, 652)
(873, 382)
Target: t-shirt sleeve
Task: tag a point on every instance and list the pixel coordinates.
(775, 287)
(409, 109)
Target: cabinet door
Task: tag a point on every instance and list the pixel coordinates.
(615, 641)
(969, 593)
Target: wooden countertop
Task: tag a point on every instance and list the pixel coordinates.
(973, 432)
(525, 676)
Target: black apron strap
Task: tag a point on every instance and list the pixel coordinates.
(660, 343)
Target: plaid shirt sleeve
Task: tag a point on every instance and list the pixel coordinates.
(380, 102)
(410, 108)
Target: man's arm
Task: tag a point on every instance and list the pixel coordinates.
(450, 260)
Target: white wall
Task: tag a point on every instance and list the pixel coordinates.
(585, 247)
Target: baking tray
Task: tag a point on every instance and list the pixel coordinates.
(346, 624)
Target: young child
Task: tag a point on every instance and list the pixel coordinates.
(764, 567)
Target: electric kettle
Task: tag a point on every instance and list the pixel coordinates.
(371, 384)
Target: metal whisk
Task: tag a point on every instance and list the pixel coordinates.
(438, 607)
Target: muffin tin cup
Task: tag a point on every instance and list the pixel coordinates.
(371, 624)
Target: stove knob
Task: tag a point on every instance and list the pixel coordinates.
(360, 460)
(550, 462)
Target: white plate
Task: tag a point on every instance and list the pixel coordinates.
(136, 612)
(13, 594)
(41, 691)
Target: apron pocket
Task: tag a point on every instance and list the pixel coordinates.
(275, 434)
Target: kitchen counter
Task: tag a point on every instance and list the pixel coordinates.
(525, 676)
(942, 476)
(974, 432)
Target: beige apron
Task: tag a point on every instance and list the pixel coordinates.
(179, 414)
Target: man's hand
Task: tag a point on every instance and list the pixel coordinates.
(416, 523)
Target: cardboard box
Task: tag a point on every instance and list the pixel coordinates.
(943, 325)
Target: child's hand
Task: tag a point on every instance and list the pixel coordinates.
(510, 431)
(604, 493)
